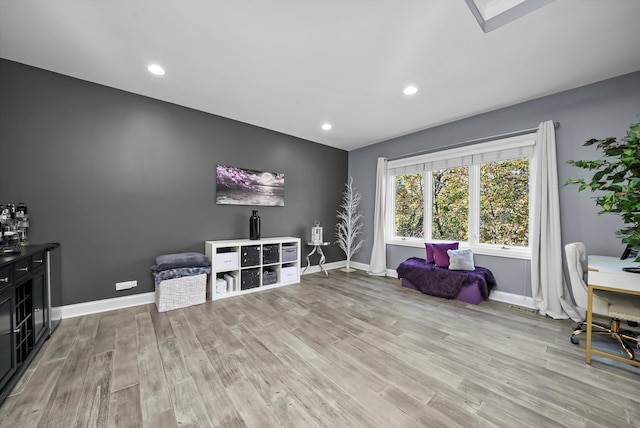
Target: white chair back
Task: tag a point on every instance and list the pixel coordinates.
(576, 255)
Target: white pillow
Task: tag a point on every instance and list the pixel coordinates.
(460, 260)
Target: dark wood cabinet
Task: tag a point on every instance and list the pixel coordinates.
(23, 330)
(7, 354)
(23, 312)
(39, 294)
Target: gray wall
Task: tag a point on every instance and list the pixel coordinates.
(118, 178)
(600, 110)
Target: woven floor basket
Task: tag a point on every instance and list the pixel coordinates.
(181, 292)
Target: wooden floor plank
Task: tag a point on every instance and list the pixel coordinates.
(65, 335)
(243, 395)
(165, 419)
(173, 362)
(125, 361)
(154, 392)
(93, 409)
(26, 408)
(326, 397)
(106, 334)
(347, 350)
(161, 324)
(189, 408)
(63, 404)
(124, 408)
(219, 407)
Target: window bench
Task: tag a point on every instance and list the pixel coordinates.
(467, 286)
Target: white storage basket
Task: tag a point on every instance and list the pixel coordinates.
(181, 292)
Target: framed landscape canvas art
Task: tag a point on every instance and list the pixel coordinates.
(238, 186)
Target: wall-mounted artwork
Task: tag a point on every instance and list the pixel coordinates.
(238, 186)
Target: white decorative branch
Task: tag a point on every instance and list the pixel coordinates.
(350, 226)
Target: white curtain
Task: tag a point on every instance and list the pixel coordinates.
(378, 263)
(550, 293)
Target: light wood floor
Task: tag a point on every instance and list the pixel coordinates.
(345, 351)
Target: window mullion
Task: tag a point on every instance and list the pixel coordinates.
(474, 204)
(427, 179)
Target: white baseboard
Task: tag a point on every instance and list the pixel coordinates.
(96, 306)
(327, 266)
(392, 273)
(342, 264)
(365, 267)
(514, 299)
(359, 266)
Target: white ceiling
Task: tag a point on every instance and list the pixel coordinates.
(291, 65)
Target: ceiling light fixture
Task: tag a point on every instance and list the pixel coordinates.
(156, 69)
(326, 126)
(410, 90)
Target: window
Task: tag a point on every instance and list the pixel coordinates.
(450, 204)
(478, 195)
(409, 215)
(504, 202)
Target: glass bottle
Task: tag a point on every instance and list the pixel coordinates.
(254, 225)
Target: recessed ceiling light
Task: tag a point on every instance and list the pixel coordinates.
(156, 69)
(410, 90)
(326, 126)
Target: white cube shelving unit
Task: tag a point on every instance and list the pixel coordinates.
(245, 265)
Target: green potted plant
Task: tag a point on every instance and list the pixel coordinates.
(618, 177)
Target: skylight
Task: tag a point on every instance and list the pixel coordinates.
(493, 14)
(492, 8)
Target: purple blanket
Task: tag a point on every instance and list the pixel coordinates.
(442, 282)
(178, 273)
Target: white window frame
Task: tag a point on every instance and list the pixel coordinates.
(460, 156)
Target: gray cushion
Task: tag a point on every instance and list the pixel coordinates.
(181, 260)
(461, 260)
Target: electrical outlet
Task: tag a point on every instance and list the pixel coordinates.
(126, 285)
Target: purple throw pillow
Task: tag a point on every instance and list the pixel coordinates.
(429, 248)
(440, 253)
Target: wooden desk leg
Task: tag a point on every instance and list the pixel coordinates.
(589, 320)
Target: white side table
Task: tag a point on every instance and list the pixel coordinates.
(317, 248)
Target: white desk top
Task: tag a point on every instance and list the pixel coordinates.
(606, 272)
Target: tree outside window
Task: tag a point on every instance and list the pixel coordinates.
(503, 214)
(409, 203)
(450, 206)
(504, 202)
